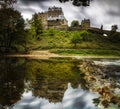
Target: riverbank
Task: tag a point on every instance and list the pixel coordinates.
(46, 54)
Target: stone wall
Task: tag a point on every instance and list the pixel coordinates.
(85, 24)
(53, 17)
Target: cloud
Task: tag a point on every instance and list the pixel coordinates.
(106, 12)
(33, 1)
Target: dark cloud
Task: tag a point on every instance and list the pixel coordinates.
(114, 13)
(32, 1)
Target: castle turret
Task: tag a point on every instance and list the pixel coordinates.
(85, 24)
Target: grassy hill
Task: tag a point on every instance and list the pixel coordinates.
(89, 43)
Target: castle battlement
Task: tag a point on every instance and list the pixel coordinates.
(85, 24)
(54, 8)
(54, 17)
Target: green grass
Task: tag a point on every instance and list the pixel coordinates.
(86, 52)
(60, 42)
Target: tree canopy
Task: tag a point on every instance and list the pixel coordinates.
(76, 38)
(78, 2)
(12, 31)
(75, 23)
(36, 26)
(7, 3)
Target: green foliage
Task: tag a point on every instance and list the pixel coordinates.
(51, 31)
(58, 70)
(75, 23)
(12, 31)
(36, 28)
(87, 52)
(7, 3)
(76, 38)
(84, 34)
(52, 38)
(114, 37)
(78, 2)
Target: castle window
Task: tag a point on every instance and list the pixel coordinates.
(57, 19)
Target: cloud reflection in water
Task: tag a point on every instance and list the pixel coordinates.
(73, 99)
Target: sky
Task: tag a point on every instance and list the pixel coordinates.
(100, 12)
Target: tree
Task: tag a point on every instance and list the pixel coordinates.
(75, 23)
(36, 26)
(114, 28)
(12, 31)
(114, 36)
(84, 35)
(78, 2)
(7, 3)
(76, 38)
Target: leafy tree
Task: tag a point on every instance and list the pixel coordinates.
(12, 31)
(75, 23)
(78, 2)
(76, 38)
(36, 26)
(7, 3)
(84, 34)
(114, 36)
(114, 28)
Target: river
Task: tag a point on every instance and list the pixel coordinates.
(59, 83)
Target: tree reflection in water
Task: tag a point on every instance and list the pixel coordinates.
(11, 80)
(44, 81)
(47, 78)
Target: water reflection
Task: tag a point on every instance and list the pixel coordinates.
(73, 99)
(47, 78)
(34, 84)
(11, 81)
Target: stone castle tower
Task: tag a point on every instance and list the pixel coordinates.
(54, 17)
(85, 24)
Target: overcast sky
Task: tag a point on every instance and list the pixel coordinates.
(106, 12)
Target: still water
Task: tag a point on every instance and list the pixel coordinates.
(59, 83)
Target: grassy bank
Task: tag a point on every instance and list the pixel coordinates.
(67, 39)
(86, 52)
(81, 43)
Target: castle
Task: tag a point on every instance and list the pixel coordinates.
(54, 17)
(85, 25)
